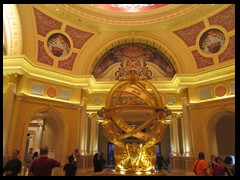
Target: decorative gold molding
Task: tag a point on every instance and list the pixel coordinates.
(108, 17)
(21, 65)
(12, 29)
(13, 78)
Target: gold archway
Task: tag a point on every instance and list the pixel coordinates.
(135, 93)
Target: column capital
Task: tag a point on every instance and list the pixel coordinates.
(94, 115)
(174, 115)
(13, 77)
(85, 92)
(40, 124)
(184, 92)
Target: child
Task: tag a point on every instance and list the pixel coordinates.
(69, 168)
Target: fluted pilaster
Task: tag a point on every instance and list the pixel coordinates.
(174, 135)
(94, 134)
(8, 109)
(40, 134)
(186, 128)
(83, 125)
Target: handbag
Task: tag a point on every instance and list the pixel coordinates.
(196, 167)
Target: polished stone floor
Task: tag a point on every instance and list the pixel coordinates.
(112, 172)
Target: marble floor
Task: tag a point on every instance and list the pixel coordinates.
(112, 172)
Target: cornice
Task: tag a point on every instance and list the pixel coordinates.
(22, 66)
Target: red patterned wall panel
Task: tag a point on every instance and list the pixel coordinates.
(45, 23)
(68, 63)
(225, 18)
(42, 54)
(201, 60)
(229, 53)
(79, 37)
(189, 34)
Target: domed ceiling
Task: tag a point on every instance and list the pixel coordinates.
(128, 7)
(103, 39)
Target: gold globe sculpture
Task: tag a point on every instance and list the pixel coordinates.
(134, 93)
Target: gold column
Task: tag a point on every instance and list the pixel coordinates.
(187, 157)
(40, 134)
(176, 158)
(174, 135)
(94, 134)
(83, 125)
(8, 109)
(186, 127)
(30, 141)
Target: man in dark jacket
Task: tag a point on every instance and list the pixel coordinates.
(14, 165)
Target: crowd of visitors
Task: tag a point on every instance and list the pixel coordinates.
(216, 166)
(43, 165)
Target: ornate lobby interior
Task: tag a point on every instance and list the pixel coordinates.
(62, 63)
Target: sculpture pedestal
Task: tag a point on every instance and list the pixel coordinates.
(111, 172)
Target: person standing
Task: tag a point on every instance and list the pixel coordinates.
(75, 156)
(44, 165)
(102, 160)
(211, 163)
(96, 163)
(200, 165)
(228, 168)
(27, 161)
(14, 165)
(70, 168)
(35, 155)
(218, 168)
(160, 162)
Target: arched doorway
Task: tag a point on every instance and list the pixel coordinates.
(46, 127)
(221, 133)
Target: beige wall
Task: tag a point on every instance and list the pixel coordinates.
(60, 132)
(204, 117)
(225, 132)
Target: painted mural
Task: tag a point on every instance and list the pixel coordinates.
(136, 55)
(58, 45)
(212, 41)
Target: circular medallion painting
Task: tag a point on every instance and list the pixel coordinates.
(52, 92)
(220, 90)
(212, 41)
(58, 45)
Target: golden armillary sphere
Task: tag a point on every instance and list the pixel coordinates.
(134, 94)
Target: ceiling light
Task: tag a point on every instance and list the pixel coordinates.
(131, 6)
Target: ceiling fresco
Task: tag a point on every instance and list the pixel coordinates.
(81, 40)
(144, 57)
(45, 23)
(225, 18)
(190, 33)
(58, 45)
(134, 55)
